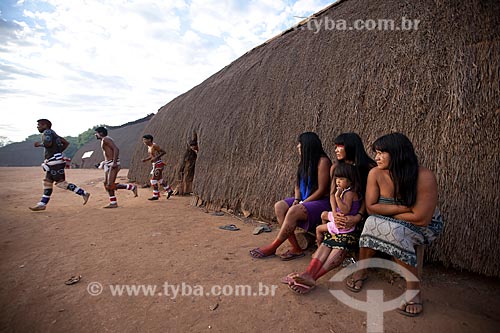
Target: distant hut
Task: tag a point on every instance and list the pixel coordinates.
(439, 84)
(126, 137)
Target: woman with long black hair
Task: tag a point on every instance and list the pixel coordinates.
(334, 248)
(401, 198)
(312, 187)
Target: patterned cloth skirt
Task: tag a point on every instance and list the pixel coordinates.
(398, 238)
(348, 241)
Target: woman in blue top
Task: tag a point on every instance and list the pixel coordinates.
(312, 188)
(349, 149)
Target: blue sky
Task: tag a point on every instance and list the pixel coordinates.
(82, 63)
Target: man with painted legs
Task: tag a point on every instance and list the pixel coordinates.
(155, 153)
(111, 166)
(54, 165)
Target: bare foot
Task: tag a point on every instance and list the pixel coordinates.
(304, 279)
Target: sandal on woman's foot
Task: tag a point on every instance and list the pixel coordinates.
(258, 254)
(353, 283)
(289, 255)
(404, 308)
(300, 288)
(289, 278)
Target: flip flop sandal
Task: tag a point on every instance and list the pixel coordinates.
(72, 280)
(217, 214)
(305, 288)
(230, 227)
(289, 278)
(262, 228)
(353, 288)
(409, 314)
(258, 254)
(287, 256)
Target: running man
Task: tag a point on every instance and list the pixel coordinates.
(155, 153)
(111, 166)
(54, 165)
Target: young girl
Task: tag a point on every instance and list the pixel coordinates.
(344, 198)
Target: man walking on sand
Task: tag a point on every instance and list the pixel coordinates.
(155, 153)
(111, 165)
(54, 165)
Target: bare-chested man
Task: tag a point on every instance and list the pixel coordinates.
(155, 153)
(54, 165)
(111, 165)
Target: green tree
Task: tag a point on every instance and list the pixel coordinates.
(75, 143)
(73, 146)
(32, 138)
(87, 136)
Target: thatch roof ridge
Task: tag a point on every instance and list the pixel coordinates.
(437, 84)
(301, 23)
(138, 121)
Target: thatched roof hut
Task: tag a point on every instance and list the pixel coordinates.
(20, 154)
(126, 137)
(438, 84)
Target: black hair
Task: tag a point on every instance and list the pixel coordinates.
(148, 136)
(403, 167)
(350, 172)
(45, 121)
(355, 152)
(311, 151)
(101, 130)
(193, 143)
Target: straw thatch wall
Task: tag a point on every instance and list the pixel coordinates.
(125, 136)
(438, 84)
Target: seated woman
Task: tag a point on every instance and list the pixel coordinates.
(311, 198)
(330, 254)
(401, 199)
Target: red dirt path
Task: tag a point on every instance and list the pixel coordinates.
(151, 243)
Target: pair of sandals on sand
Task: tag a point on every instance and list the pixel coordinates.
(353, 284)
(287, 256)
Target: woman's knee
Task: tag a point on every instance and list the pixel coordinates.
(297, 212)
(280, 207)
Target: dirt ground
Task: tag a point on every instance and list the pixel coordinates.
(169, 241)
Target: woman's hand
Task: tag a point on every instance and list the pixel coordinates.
(343, 221)
(340, 220)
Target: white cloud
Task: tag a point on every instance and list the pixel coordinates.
(94, 62)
